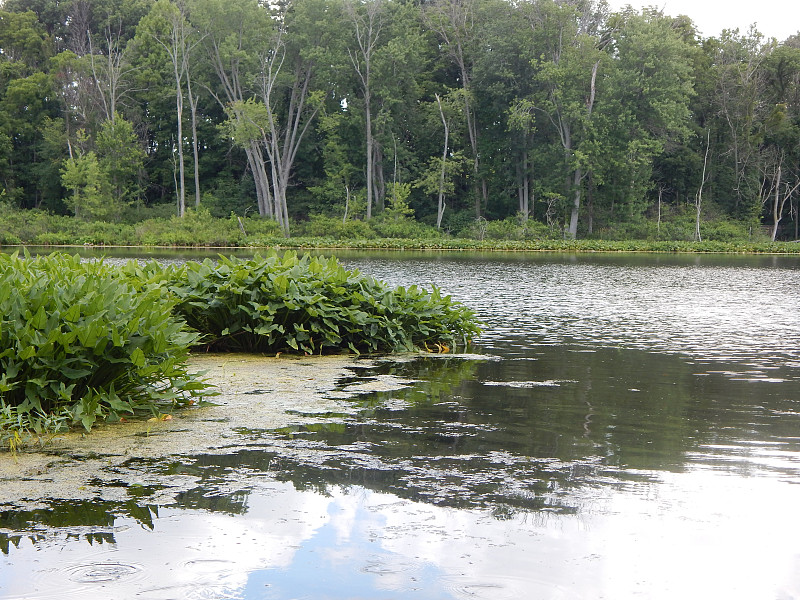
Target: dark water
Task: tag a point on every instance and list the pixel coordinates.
(630, 430)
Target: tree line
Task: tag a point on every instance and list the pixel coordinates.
(558, 111)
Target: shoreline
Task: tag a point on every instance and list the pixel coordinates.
(257, 394)
(401, 245)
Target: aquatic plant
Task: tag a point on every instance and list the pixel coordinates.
(80, 344)
(274, 303)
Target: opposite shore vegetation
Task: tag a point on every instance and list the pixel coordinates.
(477, 119)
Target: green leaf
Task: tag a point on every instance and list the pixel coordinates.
(137, 357)
(39, 320)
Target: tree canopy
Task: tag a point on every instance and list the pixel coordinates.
(558, 111)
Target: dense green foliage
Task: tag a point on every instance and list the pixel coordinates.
(275, 303)
(80, 344)
(200, 229)
(389, 118)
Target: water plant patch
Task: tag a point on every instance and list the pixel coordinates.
(80, 344)
(277, 303)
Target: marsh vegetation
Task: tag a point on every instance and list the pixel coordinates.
(84, 341)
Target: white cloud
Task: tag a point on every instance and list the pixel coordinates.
(774, 18)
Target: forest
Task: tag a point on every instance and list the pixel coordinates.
(558, 115)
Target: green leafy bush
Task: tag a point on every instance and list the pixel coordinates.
(79, 344)
(510, 228)
(275, 303)
(199, 228)
(322, 226)
(403, 228)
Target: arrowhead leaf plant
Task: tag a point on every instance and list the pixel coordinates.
(81, 344)
(84, 342)
(278, 303)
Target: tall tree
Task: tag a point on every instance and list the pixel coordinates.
(739, 102)
(120, 157)
(287, 102)
(167, 25)
(567, 78)
(366, 19)
(234, 35)
(645, 110)
(455, 23)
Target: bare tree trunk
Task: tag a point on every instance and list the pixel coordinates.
(776, 218)
(79, 20)
(367, 29)
(282, 142)
(523, 186)
(566, 140)
(175, 182)
(110, 77)
(258, 166)
(346, 203)
(379, 180)
(181, 162)
(698, 199)
(779, 202)
(453, 21)
(195, 152)
(178, 49)
(526, 188)
(590, 203)
(230, 78)
(441, 205)
(370, 155)
(576, 203)
(482, 199)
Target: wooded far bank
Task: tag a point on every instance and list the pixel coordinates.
(469, 119)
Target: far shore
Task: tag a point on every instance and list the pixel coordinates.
(446, 245)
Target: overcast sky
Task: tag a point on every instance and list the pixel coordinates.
(774, 18)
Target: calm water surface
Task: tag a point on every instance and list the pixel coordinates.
(631, 429)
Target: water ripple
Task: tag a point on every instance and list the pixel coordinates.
(707, 312)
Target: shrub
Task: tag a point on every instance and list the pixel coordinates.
(333, 227)
(137, 213)
(403, 228)
(723, 230)
(81, 344)
(459, 223)
(275, 303)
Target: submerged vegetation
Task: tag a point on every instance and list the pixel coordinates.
(82, 342)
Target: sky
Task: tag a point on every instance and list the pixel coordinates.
(774, 18)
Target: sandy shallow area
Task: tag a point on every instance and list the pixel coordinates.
(256, 394)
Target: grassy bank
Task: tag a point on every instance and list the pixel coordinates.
(200, 229)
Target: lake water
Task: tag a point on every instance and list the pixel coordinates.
(626, 427)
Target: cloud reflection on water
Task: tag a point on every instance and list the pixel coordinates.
(702, 534)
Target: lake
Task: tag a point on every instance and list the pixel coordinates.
(627, 426)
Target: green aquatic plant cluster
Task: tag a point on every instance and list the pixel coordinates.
(83, 342)
(275, 303)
